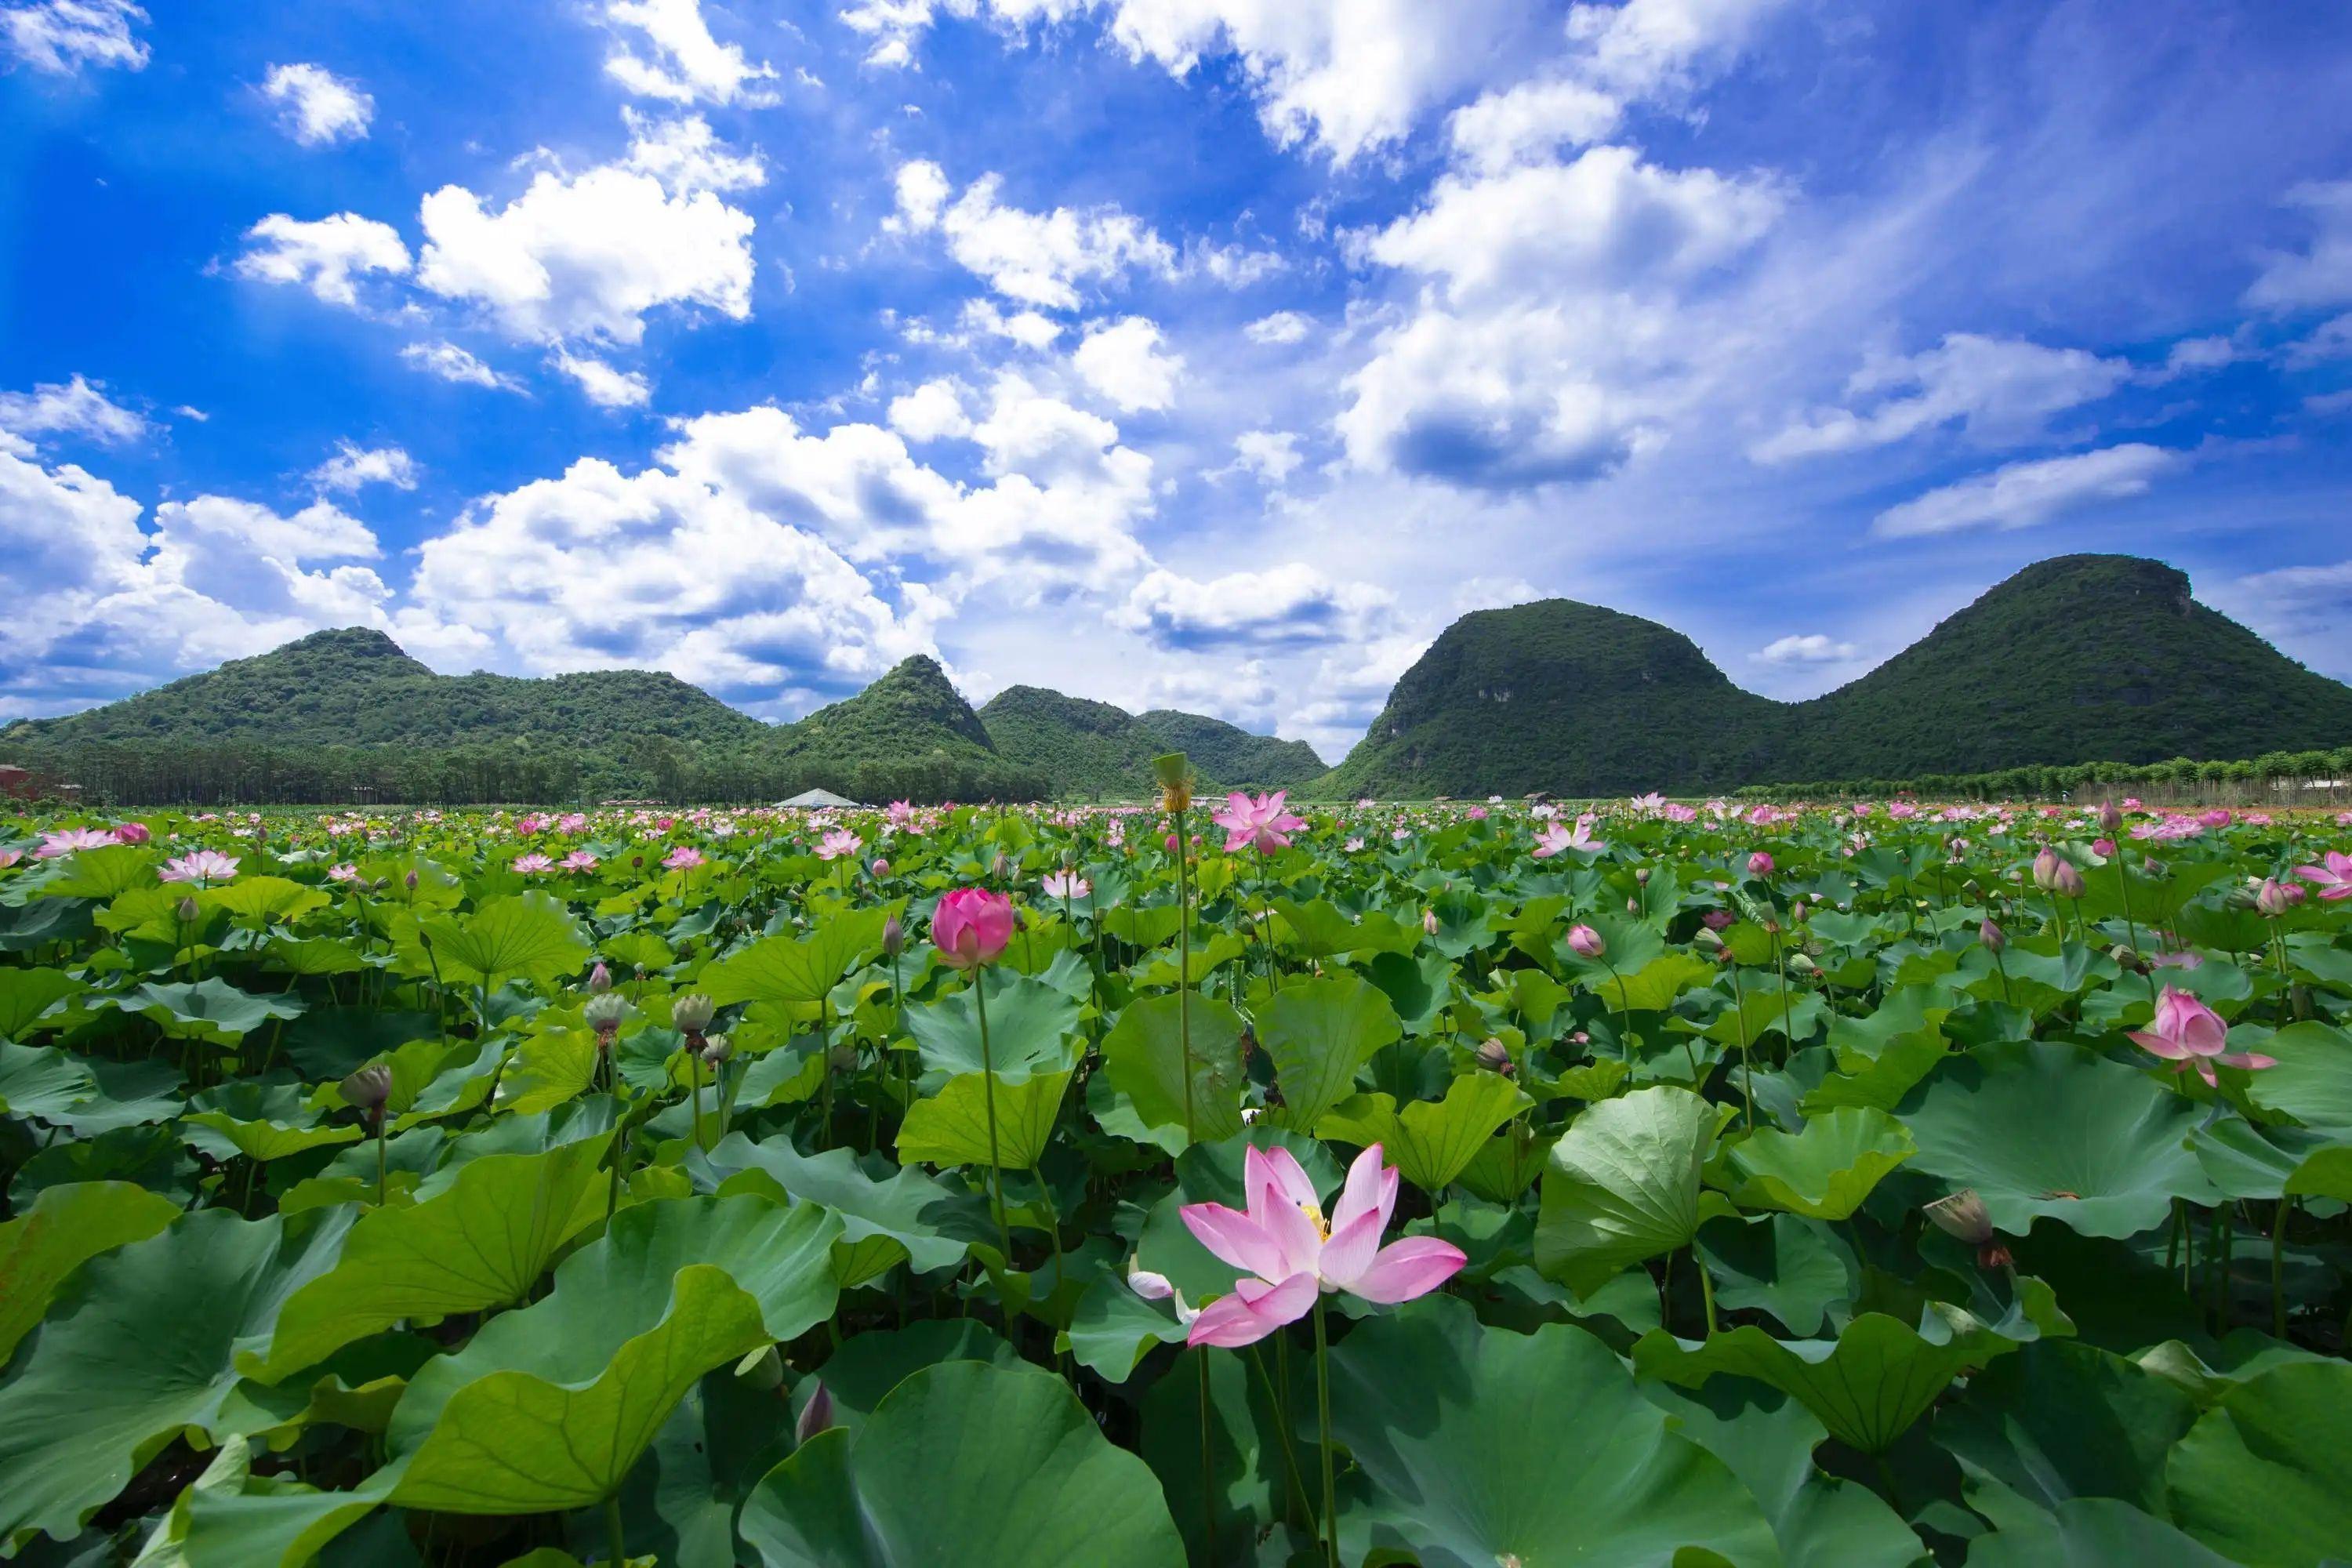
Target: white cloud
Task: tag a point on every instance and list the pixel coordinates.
(1124, 362)
(587, 256)
(354, 467)
(450, 363)
(1027, 328)
(682, 62)
(323, 256)
(2323, 274)
(2328, 342)
(2190, 355)
(603, 385)
(2018, 495)
(1292, 605)
(1529, 122)
(1282, 327)
(2304, 609)
(1035, 259)
(1813, 647)
(932, 411)
(2002, 389)
(686, 156)
(316, 107)
(60, 36)
(1272, 455)
(1654, 48)
(74, 408)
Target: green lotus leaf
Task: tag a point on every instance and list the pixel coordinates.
(1623, 1185)
(1507, 1163)
(2061, 1420)
(26, 993)
(1484, 1445)
(1653, 987)
(2260, 1478)
(2043, 1130)
(860, 1375)
(549, 1068)
(1112, 1328)
(261, 900)
(210, 1009)
(315, 955)
(102, 872)
(935, 1227)
(2313, 1079)
(798, 970)
(965, 1465)
(951, 1126)
(1032, 1028)
(1429, 1141)
(1824, 1172)
(44, 1082)
(1867, 1385)
(141, 1345)
(483, 1242)
(526, 936)
(1143, 1056)
(2246, 1161)
(1318, 1034)
(260, 1121)
(66, 1227)
(1318, 928)
(1795, 1269)
(2090, 1532)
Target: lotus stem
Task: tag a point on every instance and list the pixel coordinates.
(617, 1537)
(2278, 1268)
(1208, 1468)
(1323, 1410)
(1706, 1290)
(988, 1094)
(1184, 966)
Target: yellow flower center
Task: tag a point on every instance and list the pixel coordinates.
(1322, 1225)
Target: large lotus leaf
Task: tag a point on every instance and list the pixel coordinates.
(41, 1081)
(1484, 1446)
(2090, 1532)
(260, 1121)
(678, 1504)
(481, 1242)
(1623, 1185)
(2313, 1079)
(1429, 1141)
(965, 1465)
(207, 1009)
(548, 1069)
(261, 900)
(527, 936)
(798, 970)
(2247, 1161)
(1768, 1440)
(952, 1127)
(1507, 1163)
(1032, 1028)
(1795, 1269)
(2061, 1420)
(136, 1093)
(2259, 1479)
(1144, 1058)
(331, 1042)
(140, 1346)
(1323, 932)
(860, 1375)
(933, 1225)
(66, 1227)
(26, 993)
(1112, 1328)
(1653, 987)
(1867, 1385)
(101, 873)
(2045, 1129)
(1824, 1172)
(315, 955)
(1319, 1033)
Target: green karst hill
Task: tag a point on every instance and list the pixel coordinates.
(1095, 751)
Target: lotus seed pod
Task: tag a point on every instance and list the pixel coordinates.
(1495, 1057)
(368, 1089)
(692, 1012)
(605, 1012)
(716, 1049)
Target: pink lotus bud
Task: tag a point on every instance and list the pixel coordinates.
(1586, 943)
(1641, 876)
(692, 1012)
(2066, 881)
(1429, 922)
(133, 833)
(815, 1416)
(367, 1089)
(599, 979)
(2104, 848)
(409, 881)
(1150, 1286)
(1964, 1218)
(881, 868)
(2276, 897)
(970, 927)
(188, 909)
(1992, 936)
(1759, 864)
(2109, 818)
(894, 938)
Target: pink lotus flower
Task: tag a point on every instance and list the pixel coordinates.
(1555, 838)
(1261, 823)
(1353, 846)
(971, 926)
(1759, 864)
(2186, 1032)
(1586, 943)
(70, 841)
(530, 865)
(685, 857)
(344, 872)
(1064, 885)
(1290, 1253)
(881, 868)
(841, 841)
(578, 860)
(133, 833)
(2333, 880)
(573, 822)
(1900, 809)
(202, 867)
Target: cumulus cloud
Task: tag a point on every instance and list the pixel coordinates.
(451, 362)
(2304, 609)
(353, 467)
(1272, 455)
(1529, 122)
(2000, 390)
(664, 49)
(324, 256)
(316, 107)
(2322, 273)
(1283, 327)
(2020, 495)
(1032, 258)
(1813, 647)
(61, 37)
(602, 383)
(931, 412)
(73, 407)
(1123, 361)
(686, 155)
(1289, 606)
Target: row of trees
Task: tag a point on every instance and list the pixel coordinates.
(2275, 778)
(116, 773)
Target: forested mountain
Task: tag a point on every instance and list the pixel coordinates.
(1232, 755)
(2077, 658)
(1098, 751)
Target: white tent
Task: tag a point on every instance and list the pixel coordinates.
(812, 799)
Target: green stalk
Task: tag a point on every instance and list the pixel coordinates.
(1208, 1470)
(2278, 1268)
(988, 1092)
(1323, 1408)
(1184, 965)
(619, 1547)
(1706, 1290)
(1278, 1400)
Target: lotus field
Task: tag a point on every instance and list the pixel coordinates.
(1228, 1181)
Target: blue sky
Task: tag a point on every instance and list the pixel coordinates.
(1209, 353)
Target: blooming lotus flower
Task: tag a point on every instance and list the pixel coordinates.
(841, 841)
(1759, 864)
(685, 857)
(2187, 1032)
(530, 865)
(1290, 1253)
(1261, 823)
(2333, 879)
(202, 867)
(1064, 885)
(578, 860)
(1555, 838)
(69, 840)
(971, 926)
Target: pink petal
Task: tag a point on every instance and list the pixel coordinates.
(1277, 1304)
(1405, 1269)
(1281, 1168)
(2252, 1061)
(1236, 1238)
(1297, 1244)
(2169, 1050)
(2205, 1071)
(1229, 1323)
(1352, 1249)
(1362, 1194)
